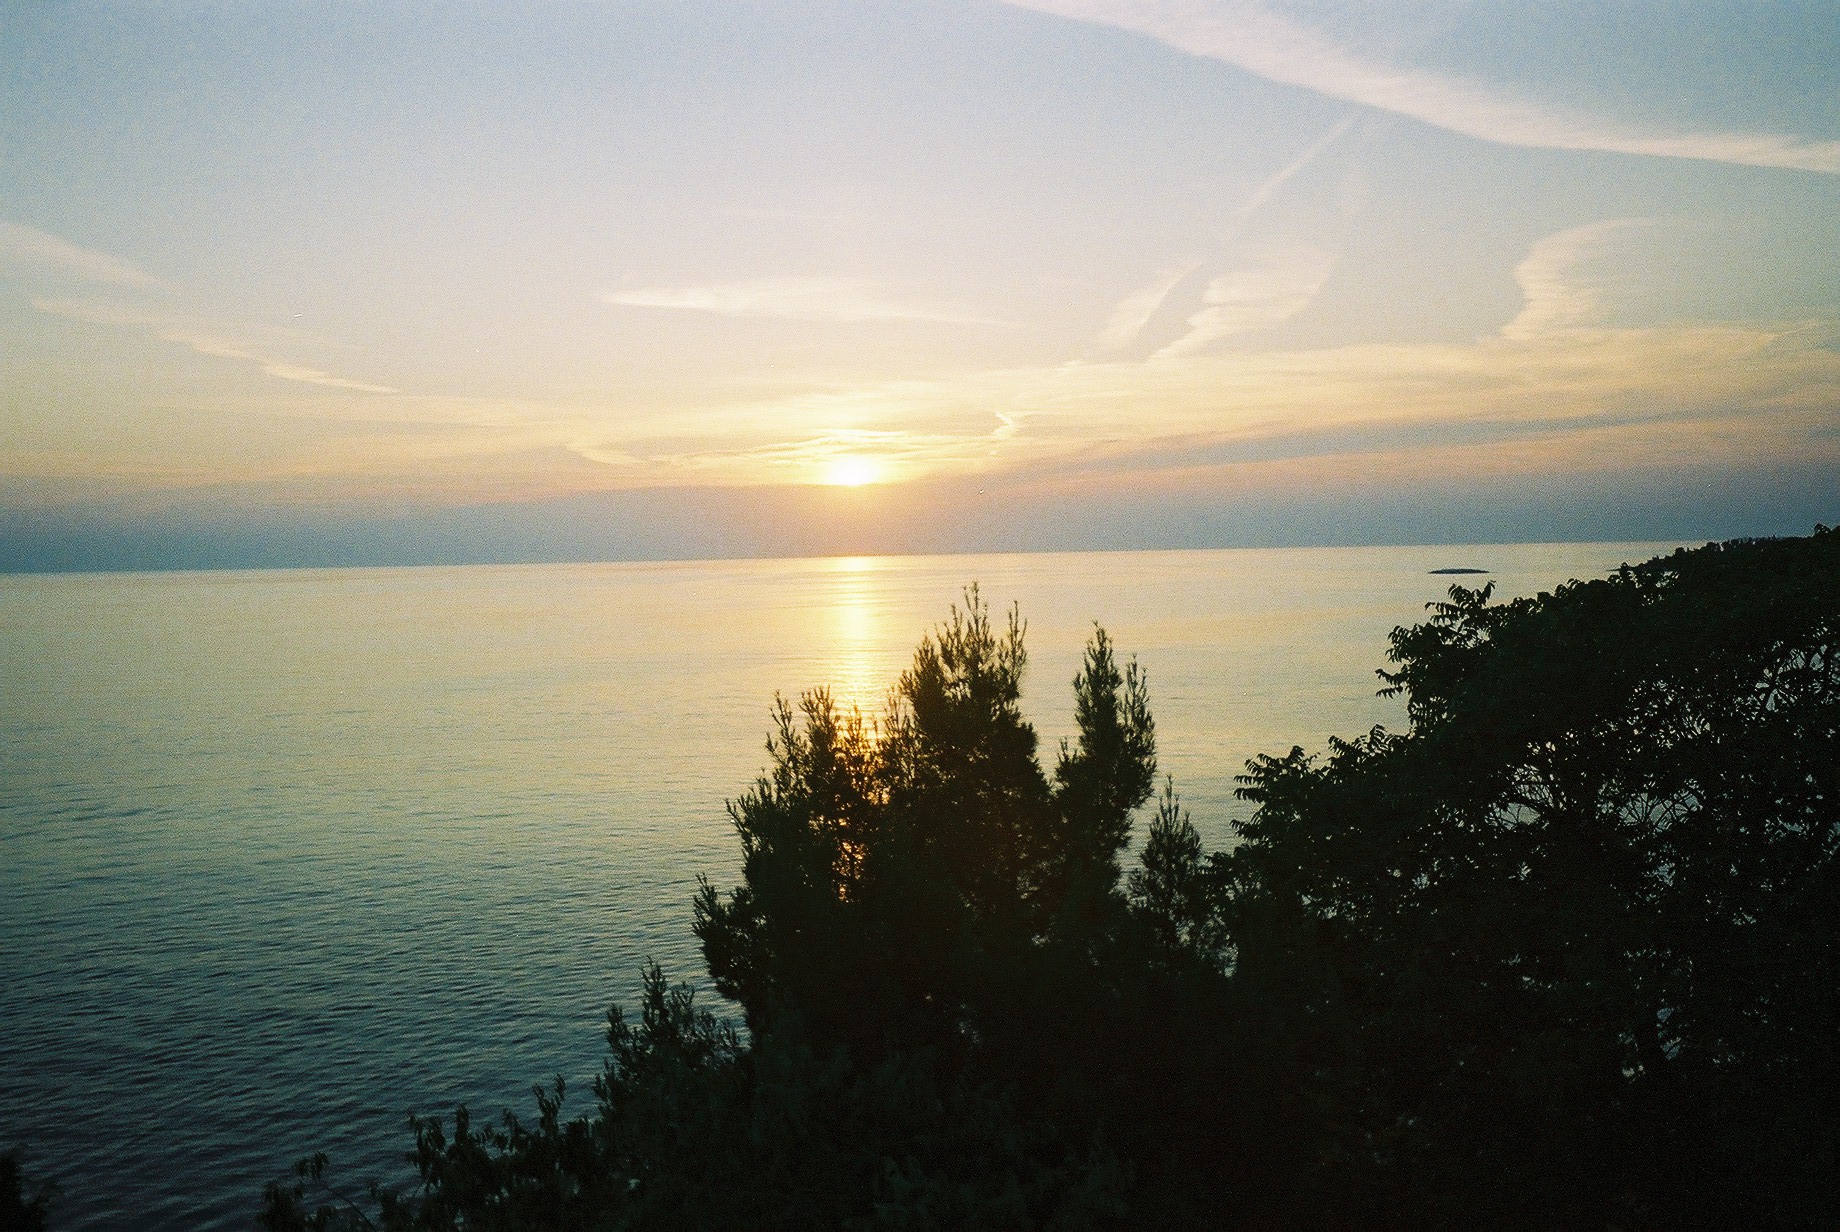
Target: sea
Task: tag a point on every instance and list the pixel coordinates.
(289, 856)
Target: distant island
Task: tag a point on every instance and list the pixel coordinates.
(1439, 572)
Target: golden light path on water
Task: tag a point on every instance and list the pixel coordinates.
(865, 652)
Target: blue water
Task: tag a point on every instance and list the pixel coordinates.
(285, 856)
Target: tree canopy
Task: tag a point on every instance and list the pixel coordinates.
(1579, 920)
(893, 872)
(1560, 954)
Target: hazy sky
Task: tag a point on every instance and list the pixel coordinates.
(316, 280)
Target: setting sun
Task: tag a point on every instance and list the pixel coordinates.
(852, 472)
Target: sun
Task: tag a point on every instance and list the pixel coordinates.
(852, 472)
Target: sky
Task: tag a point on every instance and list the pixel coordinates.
(325, 283)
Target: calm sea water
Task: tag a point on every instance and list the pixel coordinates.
(285, 856)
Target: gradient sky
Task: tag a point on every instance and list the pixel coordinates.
(310, 282)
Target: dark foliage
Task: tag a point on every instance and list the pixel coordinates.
(900, 878)
(1577, 928)
(1561, 955)
(919, 916)
(20, 1213)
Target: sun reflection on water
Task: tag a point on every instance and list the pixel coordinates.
(862, 655)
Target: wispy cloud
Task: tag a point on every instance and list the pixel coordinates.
(1289, 171)
(897, 454)
(1267, 291)
(1135, 310)
(202, 339)
(764, 213)
(839, 300)
(28, 246)
(1552, 389)
(1555, 298)
(1543, 402)
(1233, 299)
(1252, 37)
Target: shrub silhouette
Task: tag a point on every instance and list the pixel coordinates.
(17, 1211)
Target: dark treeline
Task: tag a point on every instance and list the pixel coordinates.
(1563, 954)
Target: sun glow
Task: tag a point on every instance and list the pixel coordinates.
(851, 472)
